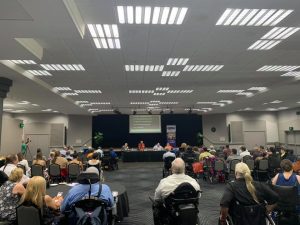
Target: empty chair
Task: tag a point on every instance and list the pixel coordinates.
(37, 170)
(28, 215)
(54, 172)
(261, 172)
(246, 157)
(73, 171)
(250, 164)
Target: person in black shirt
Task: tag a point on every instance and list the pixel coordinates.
(247, 193)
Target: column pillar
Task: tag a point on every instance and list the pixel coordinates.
(5, 84)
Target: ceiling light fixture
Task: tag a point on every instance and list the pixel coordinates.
(148, 68)
(278, 68)
(39, 72)
(88, 91)
(229, 91)
(177, 61)
(170, 73)
(252, 17)
(192, 68)
(63, 67)
(23, 62)
(143, 15)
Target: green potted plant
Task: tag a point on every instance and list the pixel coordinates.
(98, 138)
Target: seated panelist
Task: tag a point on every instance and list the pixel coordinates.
(141, 146)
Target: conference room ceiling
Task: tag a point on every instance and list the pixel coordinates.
(52, 29)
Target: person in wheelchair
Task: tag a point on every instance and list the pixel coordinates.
(189, 157)
(168, 185)
(80, 191)
(246, 201)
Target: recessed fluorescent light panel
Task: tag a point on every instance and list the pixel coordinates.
(139, 103)
(247, 94)
(170, 73)
(46, 110)
(151, 15)
(23, 62)
(23, 103)
(291, 74)
(81, 102)
(148, 68)
(162, 88)
(276, 102)
(88, 91)
(62, 88)
(39, 72)
(253, 17)
(100, 103)
(264, 44)
(18, 111)
(179, 91)
(230, 91)
(69, 94)
(278, 68)
(259, 89)
(63, 67)
(192, 68)
(105, 36)
(141, 91)
(177, 61)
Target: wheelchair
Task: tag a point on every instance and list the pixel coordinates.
(285, 212)
(248, 215)
(189, 160)
(167, 166)
(90, 208)
(179, 208)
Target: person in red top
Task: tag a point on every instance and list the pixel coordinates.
(141, 146)
(168, 147)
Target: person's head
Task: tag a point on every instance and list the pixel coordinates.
(52, 154)
(211, 147)
(195, 149)
(178, 166)
(142, 142)
(286, 165)
(205, 149)
(75, 155)
(273, 150)
(39, 156)
(183, 145)
(38, 150)
(11, 159)
(283, 150)
(234, 151)
(227, 146)
(68, 153)
(35, 191)
(126, 144)
(95, 156)
(243, 171)
(243, 148)
(16, 175)
(20, 156)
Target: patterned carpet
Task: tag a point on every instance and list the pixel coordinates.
(141, 179)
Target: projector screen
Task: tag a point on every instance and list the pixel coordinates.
(139, 124)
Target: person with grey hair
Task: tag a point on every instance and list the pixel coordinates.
(170, 183)
(80, 191)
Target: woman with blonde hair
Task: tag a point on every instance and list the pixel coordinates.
(35, 195)
(10, 193)
(244, 193)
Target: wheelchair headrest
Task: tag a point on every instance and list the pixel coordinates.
(184, 190)
(88, 178)
(288, 197)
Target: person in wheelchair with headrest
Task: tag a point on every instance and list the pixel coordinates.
(168, 188)
(246, 202)
(89, 187)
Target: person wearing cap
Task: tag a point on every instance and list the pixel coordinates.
(80, 191)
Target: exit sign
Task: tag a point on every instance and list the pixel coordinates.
(21, 125)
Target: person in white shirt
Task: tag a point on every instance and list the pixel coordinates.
(23, 162)
(11, 162)
(170, 183)
(244, 151)
(100, 152)
(168, 154)
(158, 147)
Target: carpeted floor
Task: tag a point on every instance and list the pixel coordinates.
(141, 179)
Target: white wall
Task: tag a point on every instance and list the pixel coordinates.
(220, 137)
(42, 118)
(11, 135)
(80, 130)
(270, 119)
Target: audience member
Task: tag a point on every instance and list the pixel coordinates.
(80, 191)
(11, 163)
(158, 147)
(273, 161)
(39, 151)
(95, 160)
(61, 161)
(90, 153)
(10, 193)
(246, 192)
(296, 166)
(100, 152)
(2, 161)
(51, 155)
(226, 151)
(35, 194)
(68, 156)
(23, 162)
(204, 154)
(168, 153)
(244, 151)
(63, 152)
(188, 154)
(39, 160)
(170, 183)
(256, 153)
(233, 156)
(283, 153)
(141, 146)
(76, 160)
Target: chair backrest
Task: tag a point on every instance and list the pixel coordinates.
(219, 165)
(22, 167)
(54, 170)
(168, 161)
(288, 197)
(250, 163)
(184, 193)
(73, 170)
(28, 215)
(263, 164)
(98, 166)
(37, 170)
(246, 157)
(233, 164)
